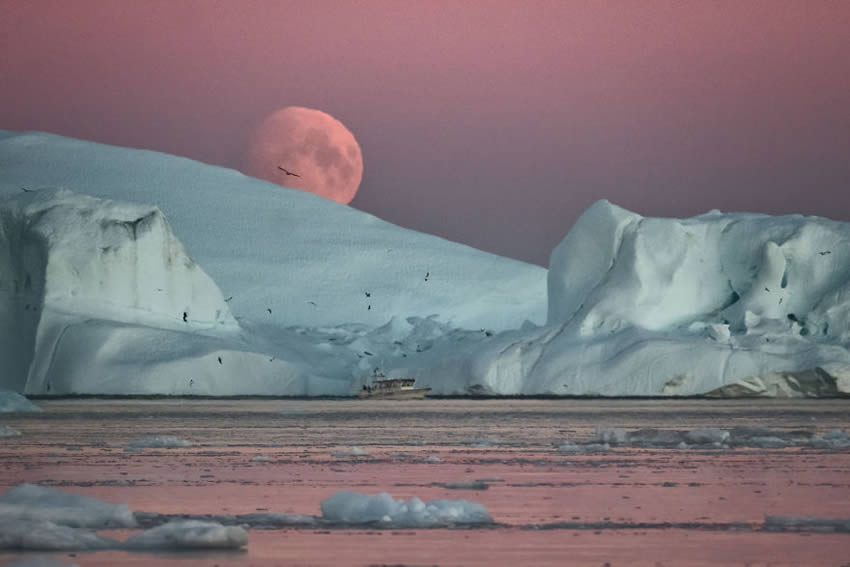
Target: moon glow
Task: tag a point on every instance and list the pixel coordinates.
(319, 152)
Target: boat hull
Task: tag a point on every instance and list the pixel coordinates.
(414, 394)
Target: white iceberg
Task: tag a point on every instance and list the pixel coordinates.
(188, 534)
(14, 402)
(34, 503)
(182, 296)
(158, 442)
(356, 508)
(21, 535)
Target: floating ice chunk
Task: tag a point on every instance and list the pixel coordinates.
(768, 442)
(484, 442)
(835, 439)
(707, 436)
(42, 562)
(615, 435)
(356, 508)
(158, 442)
(6, 431)
(719, 332)
(570, 447)
(21, 534)
(806, 523)
(259, 459)
(474, 485)
(656, 437)
(432, 459)
(14, 402)
(33, 503)
(350, 452)
(189, 534)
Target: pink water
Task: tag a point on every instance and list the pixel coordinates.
(78, 445)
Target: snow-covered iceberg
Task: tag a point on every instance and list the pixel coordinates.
(649, 306)
(286, 257)
(264, 290)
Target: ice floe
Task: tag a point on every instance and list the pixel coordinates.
(14, 402)
(7, 431)
(189, 534)
(34, 503)
(158, 442)
(356, 508)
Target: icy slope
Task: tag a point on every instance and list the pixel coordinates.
(287, 257)
(647, 306)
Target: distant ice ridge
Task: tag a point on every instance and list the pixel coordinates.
(357, 508)
(651, 306)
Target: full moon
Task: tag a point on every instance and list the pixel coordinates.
(306, 149)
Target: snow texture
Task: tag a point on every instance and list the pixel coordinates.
(355, 508)
(158, 442)
(14, 402)
(189, 534)
(34, 503)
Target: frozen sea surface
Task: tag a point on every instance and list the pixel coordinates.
(658, 476)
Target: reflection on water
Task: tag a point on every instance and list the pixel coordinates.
(696, 506)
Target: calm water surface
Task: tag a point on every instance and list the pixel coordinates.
(626, 506)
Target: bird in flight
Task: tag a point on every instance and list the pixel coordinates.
(286, 171)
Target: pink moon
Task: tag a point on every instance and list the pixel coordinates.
(319, 153)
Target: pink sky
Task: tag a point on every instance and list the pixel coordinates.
(491, 123)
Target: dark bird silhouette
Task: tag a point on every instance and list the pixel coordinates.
(427, 275)
(825, 252)
(313, 303)
(219, 360)
(228, 299)
(369, 308)
(286, 171)
(269, 309)
(25, 190)
(185, 317)
(368, 294)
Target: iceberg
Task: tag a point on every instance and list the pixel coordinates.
(132, 272)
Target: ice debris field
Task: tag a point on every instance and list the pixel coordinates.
(39, 518)
(133, 272)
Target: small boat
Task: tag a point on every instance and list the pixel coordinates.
(392, 389)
